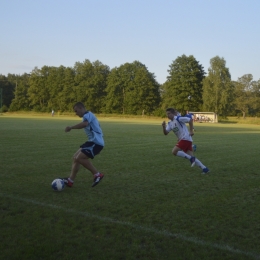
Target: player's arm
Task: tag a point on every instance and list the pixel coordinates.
(164, 128)
(77, 126)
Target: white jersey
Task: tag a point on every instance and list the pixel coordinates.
(177, 125)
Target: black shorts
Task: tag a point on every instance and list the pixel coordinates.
(91, 149)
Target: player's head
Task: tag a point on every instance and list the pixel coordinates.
(171, 112)
(79, 109)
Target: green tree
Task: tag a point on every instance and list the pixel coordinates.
(68, 95)
(7, 84)
(38, 92)
(91, 82)
(183, 88)
(132, 89)
(20, 100)
(52, 88)
(255, 105)
(218, 88)
(243, 95)
(55, 87)
(247, 95)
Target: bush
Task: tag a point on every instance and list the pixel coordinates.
(37, 108)
(13, 107)
(44, 110)
(160, 112)
(4, 108)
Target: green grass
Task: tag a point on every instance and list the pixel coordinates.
(241, 120)
(150, 205)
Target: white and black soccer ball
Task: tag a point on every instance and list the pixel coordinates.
(58, 185)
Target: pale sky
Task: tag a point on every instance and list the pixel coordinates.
(154, 32)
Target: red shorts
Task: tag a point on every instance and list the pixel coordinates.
(185, 145)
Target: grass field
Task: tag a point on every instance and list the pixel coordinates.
(150, 205)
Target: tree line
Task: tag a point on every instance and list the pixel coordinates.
(132, 89)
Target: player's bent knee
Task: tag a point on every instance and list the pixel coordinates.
(174, 152)
(80, 157)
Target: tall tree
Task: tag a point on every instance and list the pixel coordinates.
(38, 92)
(132, 89)
(68, 95)
(52, 88)
(7, 88)
(55, 87)
(247, 95)
(218, 88)
(20, 100)
(183, 88)
(91, 80)
(243, 94)
(256, 97)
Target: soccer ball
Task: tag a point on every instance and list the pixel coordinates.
(58, 185)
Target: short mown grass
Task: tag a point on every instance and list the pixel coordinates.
(150, 205)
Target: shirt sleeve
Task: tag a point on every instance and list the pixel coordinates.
(87, 117)
(183, 119)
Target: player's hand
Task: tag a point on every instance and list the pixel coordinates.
(191, 133)
(163, 124)
(67, 129)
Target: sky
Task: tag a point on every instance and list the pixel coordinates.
(35, 33)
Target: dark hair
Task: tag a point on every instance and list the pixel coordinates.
(172, 110)
(79, 104)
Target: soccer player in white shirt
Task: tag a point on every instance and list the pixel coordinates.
(184, 146)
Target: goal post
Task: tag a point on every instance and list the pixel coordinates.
(208, 117)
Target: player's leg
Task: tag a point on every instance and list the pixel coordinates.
(182, 148)
(74, 170)
(199, 163)
(75, 166)
(175, 150)
(84, 160)
(89, 151)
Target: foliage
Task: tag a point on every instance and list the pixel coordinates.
(247, 95)
(217, 88)
(91, 82)
(183, 88)
(38, 92)
(132, 89)
(20, 100)
(8, 87)
(4, 108)
(60, 88)
(243, 94)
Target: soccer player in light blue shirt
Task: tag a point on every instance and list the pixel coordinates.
(90, 148)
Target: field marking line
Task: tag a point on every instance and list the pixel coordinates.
(165, 233)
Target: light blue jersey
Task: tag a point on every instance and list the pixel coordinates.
(93, 129)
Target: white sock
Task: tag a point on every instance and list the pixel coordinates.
(199, 163)
(183, 155)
